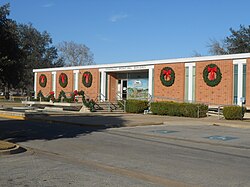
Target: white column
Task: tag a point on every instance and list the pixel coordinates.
(240, 64)
(103, 85)
(190, 80)
(76, 78)
(54, 82)
(150, 81)
(35, 82)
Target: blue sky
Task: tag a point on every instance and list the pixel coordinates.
(134, 30)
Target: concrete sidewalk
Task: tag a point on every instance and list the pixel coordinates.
(121, 120)
(128, 120)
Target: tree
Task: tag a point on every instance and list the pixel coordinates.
(237, 42)
(22, 49)
(39, 53)
(10, 54)
(74, 54)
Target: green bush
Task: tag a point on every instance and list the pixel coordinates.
(179, 109)
(233, 112)
(40, 95)
(136, 106)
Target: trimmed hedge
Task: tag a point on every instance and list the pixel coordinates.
(233, 112)
(136, 106)
(179, 109)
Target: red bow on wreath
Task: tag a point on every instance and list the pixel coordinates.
(75, 92)
(42, 79)
(86, 76)
(63, 78)
(212, 72)
(167, 73)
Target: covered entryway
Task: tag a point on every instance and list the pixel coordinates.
(121, 83)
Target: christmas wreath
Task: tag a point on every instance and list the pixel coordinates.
(87, 79)
(167, 76)
(212, 75)
(63, 80)
(42, 80)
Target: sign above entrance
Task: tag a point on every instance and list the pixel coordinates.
(126, 68)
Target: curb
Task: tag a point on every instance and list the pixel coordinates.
(67, 122)
(232, 125)
(92, 125)
(12, 117)
(17, 149)
(75, 123)
(21, 117)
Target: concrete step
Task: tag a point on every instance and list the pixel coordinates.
(109, 112)
(107, 105)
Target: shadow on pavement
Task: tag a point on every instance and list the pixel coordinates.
(89, 120)
(21, 131)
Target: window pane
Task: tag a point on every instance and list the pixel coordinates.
(235, 83)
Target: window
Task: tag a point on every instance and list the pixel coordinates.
(235, 99)
(193, 86)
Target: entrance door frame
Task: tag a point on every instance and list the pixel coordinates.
(104, 71)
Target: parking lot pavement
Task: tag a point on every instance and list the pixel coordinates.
(195, 132)
(71, 155)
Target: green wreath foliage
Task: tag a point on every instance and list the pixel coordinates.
(61, 82)
(217, 72)
(87, 79)
(167, 76)
(42, 80)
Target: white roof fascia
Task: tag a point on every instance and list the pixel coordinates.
(151, 62)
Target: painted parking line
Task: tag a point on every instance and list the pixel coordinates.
(163, 131)
(222, 138)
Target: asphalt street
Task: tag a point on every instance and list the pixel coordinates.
(164, 155)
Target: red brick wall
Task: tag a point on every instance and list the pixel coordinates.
(48, 87)
(112, 86)
(92, 91)
(175, 91)
(223, 92)
(69, 88)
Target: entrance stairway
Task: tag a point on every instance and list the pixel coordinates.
(108, 107)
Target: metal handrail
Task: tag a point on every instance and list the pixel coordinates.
(121, 101)
(100, 97)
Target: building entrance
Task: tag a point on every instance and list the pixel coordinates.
(132, 85)
(122, 89)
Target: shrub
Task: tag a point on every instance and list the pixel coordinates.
(40, 95)
(233, 112)
(179, 109)
(136, 106)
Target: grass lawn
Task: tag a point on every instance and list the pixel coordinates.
(7, 104)
(6, 145)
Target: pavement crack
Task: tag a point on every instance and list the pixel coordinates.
(131, 173)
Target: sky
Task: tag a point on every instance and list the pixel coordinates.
(134, 30)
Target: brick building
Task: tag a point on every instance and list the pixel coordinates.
(213, 80)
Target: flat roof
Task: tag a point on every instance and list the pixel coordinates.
(150, 62)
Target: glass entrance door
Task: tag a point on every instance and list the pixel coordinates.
(122, 89)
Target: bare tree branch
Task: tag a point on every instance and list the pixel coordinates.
(75, 54)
